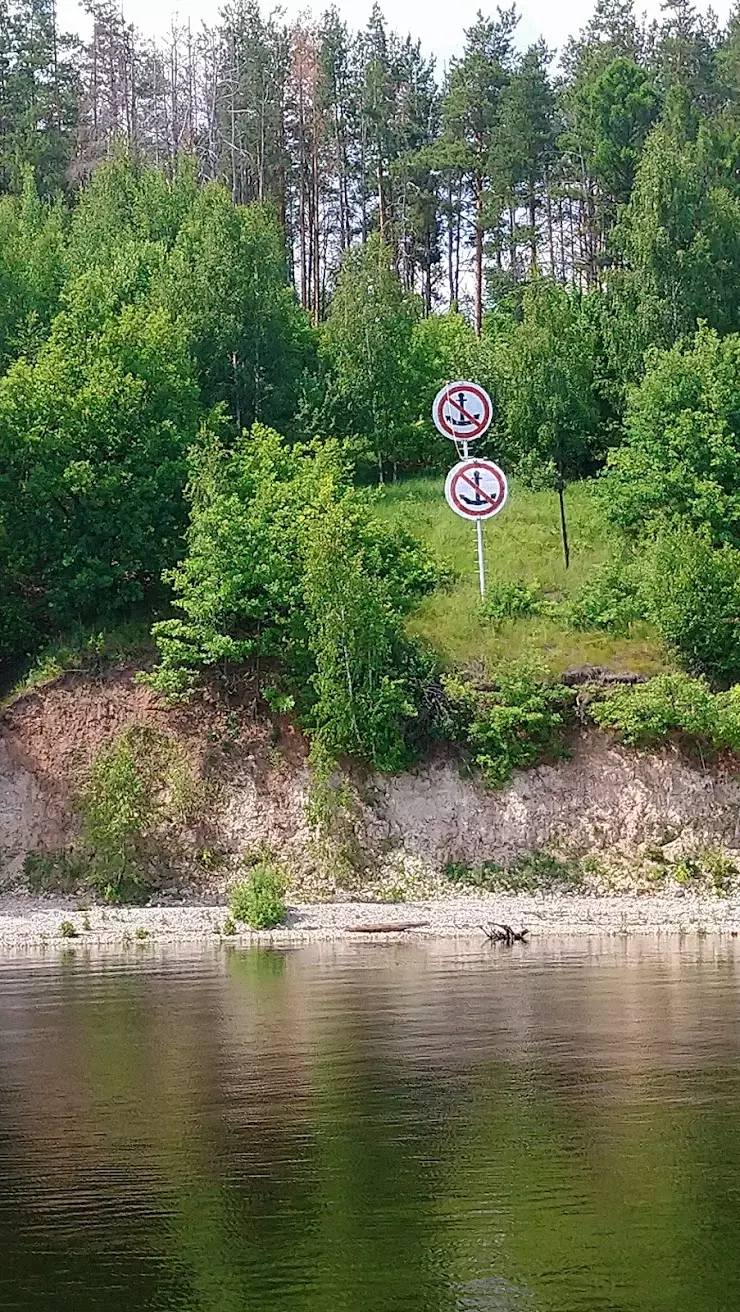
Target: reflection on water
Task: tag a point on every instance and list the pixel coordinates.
(364, 1128)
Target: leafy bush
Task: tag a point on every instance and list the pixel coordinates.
(286, 564)
(692, 595)
(527, 874)
(53, 872)
(516, 724)
(259, 901)
(610, 599)
(680, 459)
(649, 713)
(138, 784)
(511, 599)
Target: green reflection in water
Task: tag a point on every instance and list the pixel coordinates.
(370, 1132)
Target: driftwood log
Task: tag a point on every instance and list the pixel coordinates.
(396, 928)
(504, 934)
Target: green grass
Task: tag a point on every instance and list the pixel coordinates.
(523, 542)
(90, 649)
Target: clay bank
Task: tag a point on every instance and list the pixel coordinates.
(611, 840)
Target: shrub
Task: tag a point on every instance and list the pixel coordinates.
(610, 599)
(68, 930)
(286, 564)
(516, 724)
(668, 704)
(526, 874)
(511, 599)
(138, 785)
(692, 595)
(53, 872)
(259, 900)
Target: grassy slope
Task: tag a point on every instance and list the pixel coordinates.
(523, 542)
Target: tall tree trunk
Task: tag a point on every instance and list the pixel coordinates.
(550, 233)
(533, 222)
(478, 254)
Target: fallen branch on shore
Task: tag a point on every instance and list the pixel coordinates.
(397, 928)
(504, 934)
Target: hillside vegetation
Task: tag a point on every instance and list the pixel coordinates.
(522, 545)
(221, 333)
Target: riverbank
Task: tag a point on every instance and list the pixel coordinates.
(27, 922)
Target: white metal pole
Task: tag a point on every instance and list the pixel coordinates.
(481, 565)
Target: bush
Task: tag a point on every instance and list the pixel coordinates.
(680, 458)
(517, 724)
(692, 596)
(511, 599)
(259, 901)
(138, 785)
(610, 599)
(286, 564)
(651, 712)
(530, 873)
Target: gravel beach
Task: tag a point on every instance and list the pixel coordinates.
(36, 922)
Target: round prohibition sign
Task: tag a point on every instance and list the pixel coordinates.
(462, 411)
(476, 489)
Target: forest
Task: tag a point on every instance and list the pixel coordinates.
(236, 266)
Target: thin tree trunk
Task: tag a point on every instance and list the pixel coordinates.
(478, 254)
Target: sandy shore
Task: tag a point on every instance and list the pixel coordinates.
(29, 922)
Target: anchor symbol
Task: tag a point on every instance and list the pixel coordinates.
(477, 500)
(467, 418)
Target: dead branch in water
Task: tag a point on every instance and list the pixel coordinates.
(504, 934)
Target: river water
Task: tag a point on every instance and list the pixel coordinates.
(365, 1128)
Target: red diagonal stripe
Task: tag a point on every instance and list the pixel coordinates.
(492, 501)
(451, 400)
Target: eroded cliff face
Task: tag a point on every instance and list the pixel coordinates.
(604, 799)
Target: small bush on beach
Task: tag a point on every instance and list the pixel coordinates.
(259, 900)
(68, 930)
(528, 873)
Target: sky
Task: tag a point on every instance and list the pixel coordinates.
(439, 24)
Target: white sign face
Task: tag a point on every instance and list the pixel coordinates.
(462, 411)
(476, 489)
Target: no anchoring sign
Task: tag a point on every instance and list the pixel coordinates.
(476, 489)
(462, 411)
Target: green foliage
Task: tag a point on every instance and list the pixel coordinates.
(286, 563)
(691, 593)
(548, 406)
(32, 270)
(614, 110)
(367, 671)
(367, 343)
(53, 872)
(680, 460)
(68, 930)
(671, 705)
(93, 438)
(225, 279)
(510, 599)
(259, 900)
(40, 95)
(680, 233)
(517, 724)
(138, 786)
(532, 872)
(611, 598)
